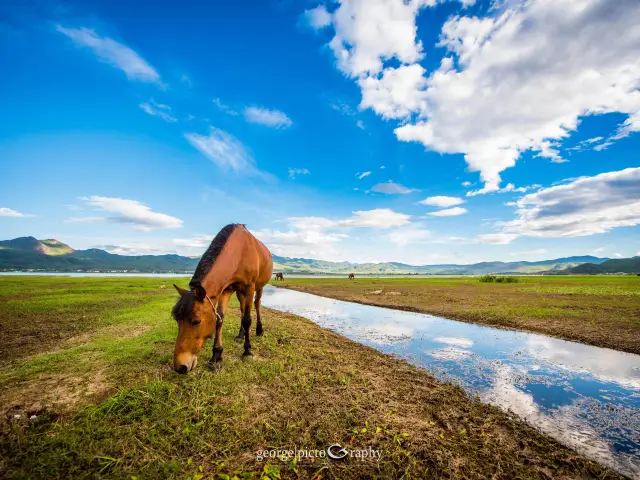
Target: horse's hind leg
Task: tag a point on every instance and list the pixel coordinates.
(241, 299)
(246, 319)
(259, 330)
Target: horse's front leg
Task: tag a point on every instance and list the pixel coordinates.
(219, 319)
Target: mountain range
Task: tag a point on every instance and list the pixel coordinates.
(29, 253)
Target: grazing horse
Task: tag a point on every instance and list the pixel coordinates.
(352, 276)
(280, 276)
(234, 262)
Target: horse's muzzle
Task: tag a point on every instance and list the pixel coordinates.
(183, 366)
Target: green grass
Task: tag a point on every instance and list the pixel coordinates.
(108, 404)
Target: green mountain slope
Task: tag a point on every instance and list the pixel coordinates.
(618, 265)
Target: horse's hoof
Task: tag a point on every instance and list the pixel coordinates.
(239, 339)
(259, 333)
(247, 354)
(213, 366)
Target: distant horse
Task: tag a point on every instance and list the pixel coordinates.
(352, 276)
(280, 276)
(234, 262)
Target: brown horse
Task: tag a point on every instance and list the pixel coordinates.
(280, 276)
(352, 276)
(234, 262)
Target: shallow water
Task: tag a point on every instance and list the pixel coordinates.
(586, 397)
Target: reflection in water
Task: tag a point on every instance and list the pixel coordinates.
(586, 397)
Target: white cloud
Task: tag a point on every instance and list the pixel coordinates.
(224, 108)
(514, 82)
(585, 206)
(526, 77)
(318, 17)
(131, 212)
(496, 238)
(539, 251)
(313, 243)
(293, 172)
(396, 93)
(441, 201)
(317, 237)
(409, 235)
(376, 218)
(598, 250)
(466, 184)
(8, 212)
(362, 175)
(270, 118)
(196, 241)
(370, 31)
(618, 255)
(449, 212)
(224, 150)
(391, 188)
(510, 187)
(360, 124)
(159, 110)
(133, 249)
(113, 53)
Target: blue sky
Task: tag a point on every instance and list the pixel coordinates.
(380, 130)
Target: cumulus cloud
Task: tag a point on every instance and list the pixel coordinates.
(224, 150)
(318, 236)
(409, 235)
(396, 93)
(585, 206)
(526, 77)
(8, 212)
(441, 201)
(391, 188)
(516, 81)
(318, 17)
(113, 53)
(294, 172)
(270, 118)
(370, 31)
(496, 238)
(449, 212)
(158, 110)
(130, 212)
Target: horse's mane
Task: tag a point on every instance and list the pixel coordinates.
(209, 257)
(184, 306)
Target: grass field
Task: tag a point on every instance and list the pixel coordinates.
(90, 360)
(598, 310)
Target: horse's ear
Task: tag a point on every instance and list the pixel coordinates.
(181, 291)
(199, 292)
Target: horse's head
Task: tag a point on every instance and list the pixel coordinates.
(195, 315)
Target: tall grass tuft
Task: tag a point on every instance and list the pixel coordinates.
(496, 279)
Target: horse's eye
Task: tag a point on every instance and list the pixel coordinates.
(195, 323)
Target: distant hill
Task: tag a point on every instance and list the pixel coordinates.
(618, 265)
(29, 253)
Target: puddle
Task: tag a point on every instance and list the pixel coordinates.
(586, 397)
